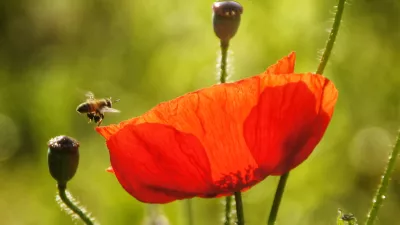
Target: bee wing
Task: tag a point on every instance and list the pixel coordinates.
(110, 110)
(89, 95)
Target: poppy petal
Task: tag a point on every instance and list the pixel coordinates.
(289, 120)
(283, 66)
(107, 133)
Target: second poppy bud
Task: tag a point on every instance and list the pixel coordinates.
(226, 19)
(63, 158)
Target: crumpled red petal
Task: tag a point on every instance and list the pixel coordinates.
(224, 138)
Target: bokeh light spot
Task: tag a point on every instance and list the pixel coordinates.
(369, 150)
(9, 138)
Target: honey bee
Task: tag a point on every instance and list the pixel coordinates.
(95, 108)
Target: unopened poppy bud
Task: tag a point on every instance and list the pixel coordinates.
(226, 19)
(63, 158)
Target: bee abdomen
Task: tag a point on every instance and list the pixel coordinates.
(83, 108)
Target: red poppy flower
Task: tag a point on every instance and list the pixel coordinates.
(224, 138)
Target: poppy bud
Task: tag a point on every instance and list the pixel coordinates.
(226, 19)
(63, 158)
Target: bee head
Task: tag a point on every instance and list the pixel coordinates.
(108, 102)
(83, 108)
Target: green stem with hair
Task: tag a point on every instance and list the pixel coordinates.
(383, 186)
(72, 204)
(224, 62)
(223, 74)
(332, 37)
(228, 206)
(321, 67)
(238, 196)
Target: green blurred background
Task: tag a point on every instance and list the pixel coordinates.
(144, 52)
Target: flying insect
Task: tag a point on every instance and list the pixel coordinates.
(95, 108)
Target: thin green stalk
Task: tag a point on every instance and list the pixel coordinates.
(223, 63)
(223, 74)
(228, 209)
(383, 186)
(189, 211)
(239, 208)
(332, 37)
(277, 199)
(320, 70)
(72, 205)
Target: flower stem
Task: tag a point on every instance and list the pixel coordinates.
(72, 205)
(228, 204)
(383, 186)
(277, 199)
(223, 63)
(239, 208)
(189, 211)
(320, 70)
(223, 74)
(332, 37)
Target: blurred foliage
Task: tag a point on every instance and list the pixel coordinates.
(144, 52)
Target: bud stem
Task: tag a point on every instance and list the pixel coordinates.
(383, 186)
(62, 192)
(224, 63)
(228, 204)
(222, 78)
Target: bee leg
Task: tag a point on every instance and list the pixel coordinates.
(101, 115)
(90, 117)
